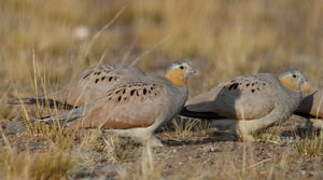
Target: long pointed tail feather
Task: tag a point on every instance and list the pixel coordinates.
(64, 117)
(45, 102)
(213, 116)
(202, 115)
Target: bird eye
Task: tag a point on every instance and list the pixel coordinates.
(294, 75)
(181, 67)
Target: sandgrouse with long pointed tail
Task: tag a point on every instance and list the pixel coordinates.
(136, 108)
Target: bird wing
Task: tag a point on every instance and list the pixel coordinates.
(245, 97)
(134, 104)
(94, 82)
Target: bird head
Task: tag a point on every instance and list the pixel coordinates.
(179, 72)
(295, 80)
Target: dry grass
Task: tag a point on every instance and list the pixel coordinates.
(27, 165)
(45, 43)
(312, 146)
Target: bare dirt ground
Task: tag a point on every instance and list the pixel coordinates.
(186, 154)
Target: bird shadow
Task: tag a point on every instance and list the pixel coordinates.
(302, 132)
(218, 137)
(308, 130)
(305, 106)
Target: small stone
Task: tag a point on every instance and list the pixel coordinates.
(12, 127)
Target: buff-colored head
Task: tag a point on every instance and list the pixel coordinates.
(179, 72)
(295, 80)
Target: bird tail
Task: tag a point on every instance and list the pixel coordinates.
(64, 117)
(201, 115)
(44, 102)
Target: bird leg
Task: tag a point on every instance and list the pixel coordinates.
(237, 127)
(142, 135)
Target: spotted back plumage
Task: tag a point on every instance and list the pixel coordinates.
(142, 103)
(131, 105)
(95, 81)
(139, 90)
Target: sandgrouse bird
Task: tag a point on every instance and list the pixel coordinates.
(250, 103)
(135, 108)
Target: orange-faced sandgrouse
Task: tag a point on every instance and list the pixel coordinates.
(250, 103)
(134, 108)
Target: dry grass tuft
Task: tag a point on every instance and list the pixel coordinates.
(311, 146)
(29, 165)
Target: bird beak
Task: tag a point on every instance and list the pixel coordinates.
(306, 87)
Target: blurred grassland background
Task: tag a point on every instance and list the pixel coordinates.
(225, 37)
(44, 43)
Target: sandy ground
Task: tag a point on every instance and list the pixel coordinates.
(195, 155)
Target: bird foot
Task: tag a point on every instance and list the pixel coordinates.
(247, 138)
(317, 123)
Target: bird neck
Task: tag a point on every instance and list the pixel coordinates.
(176, 77)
